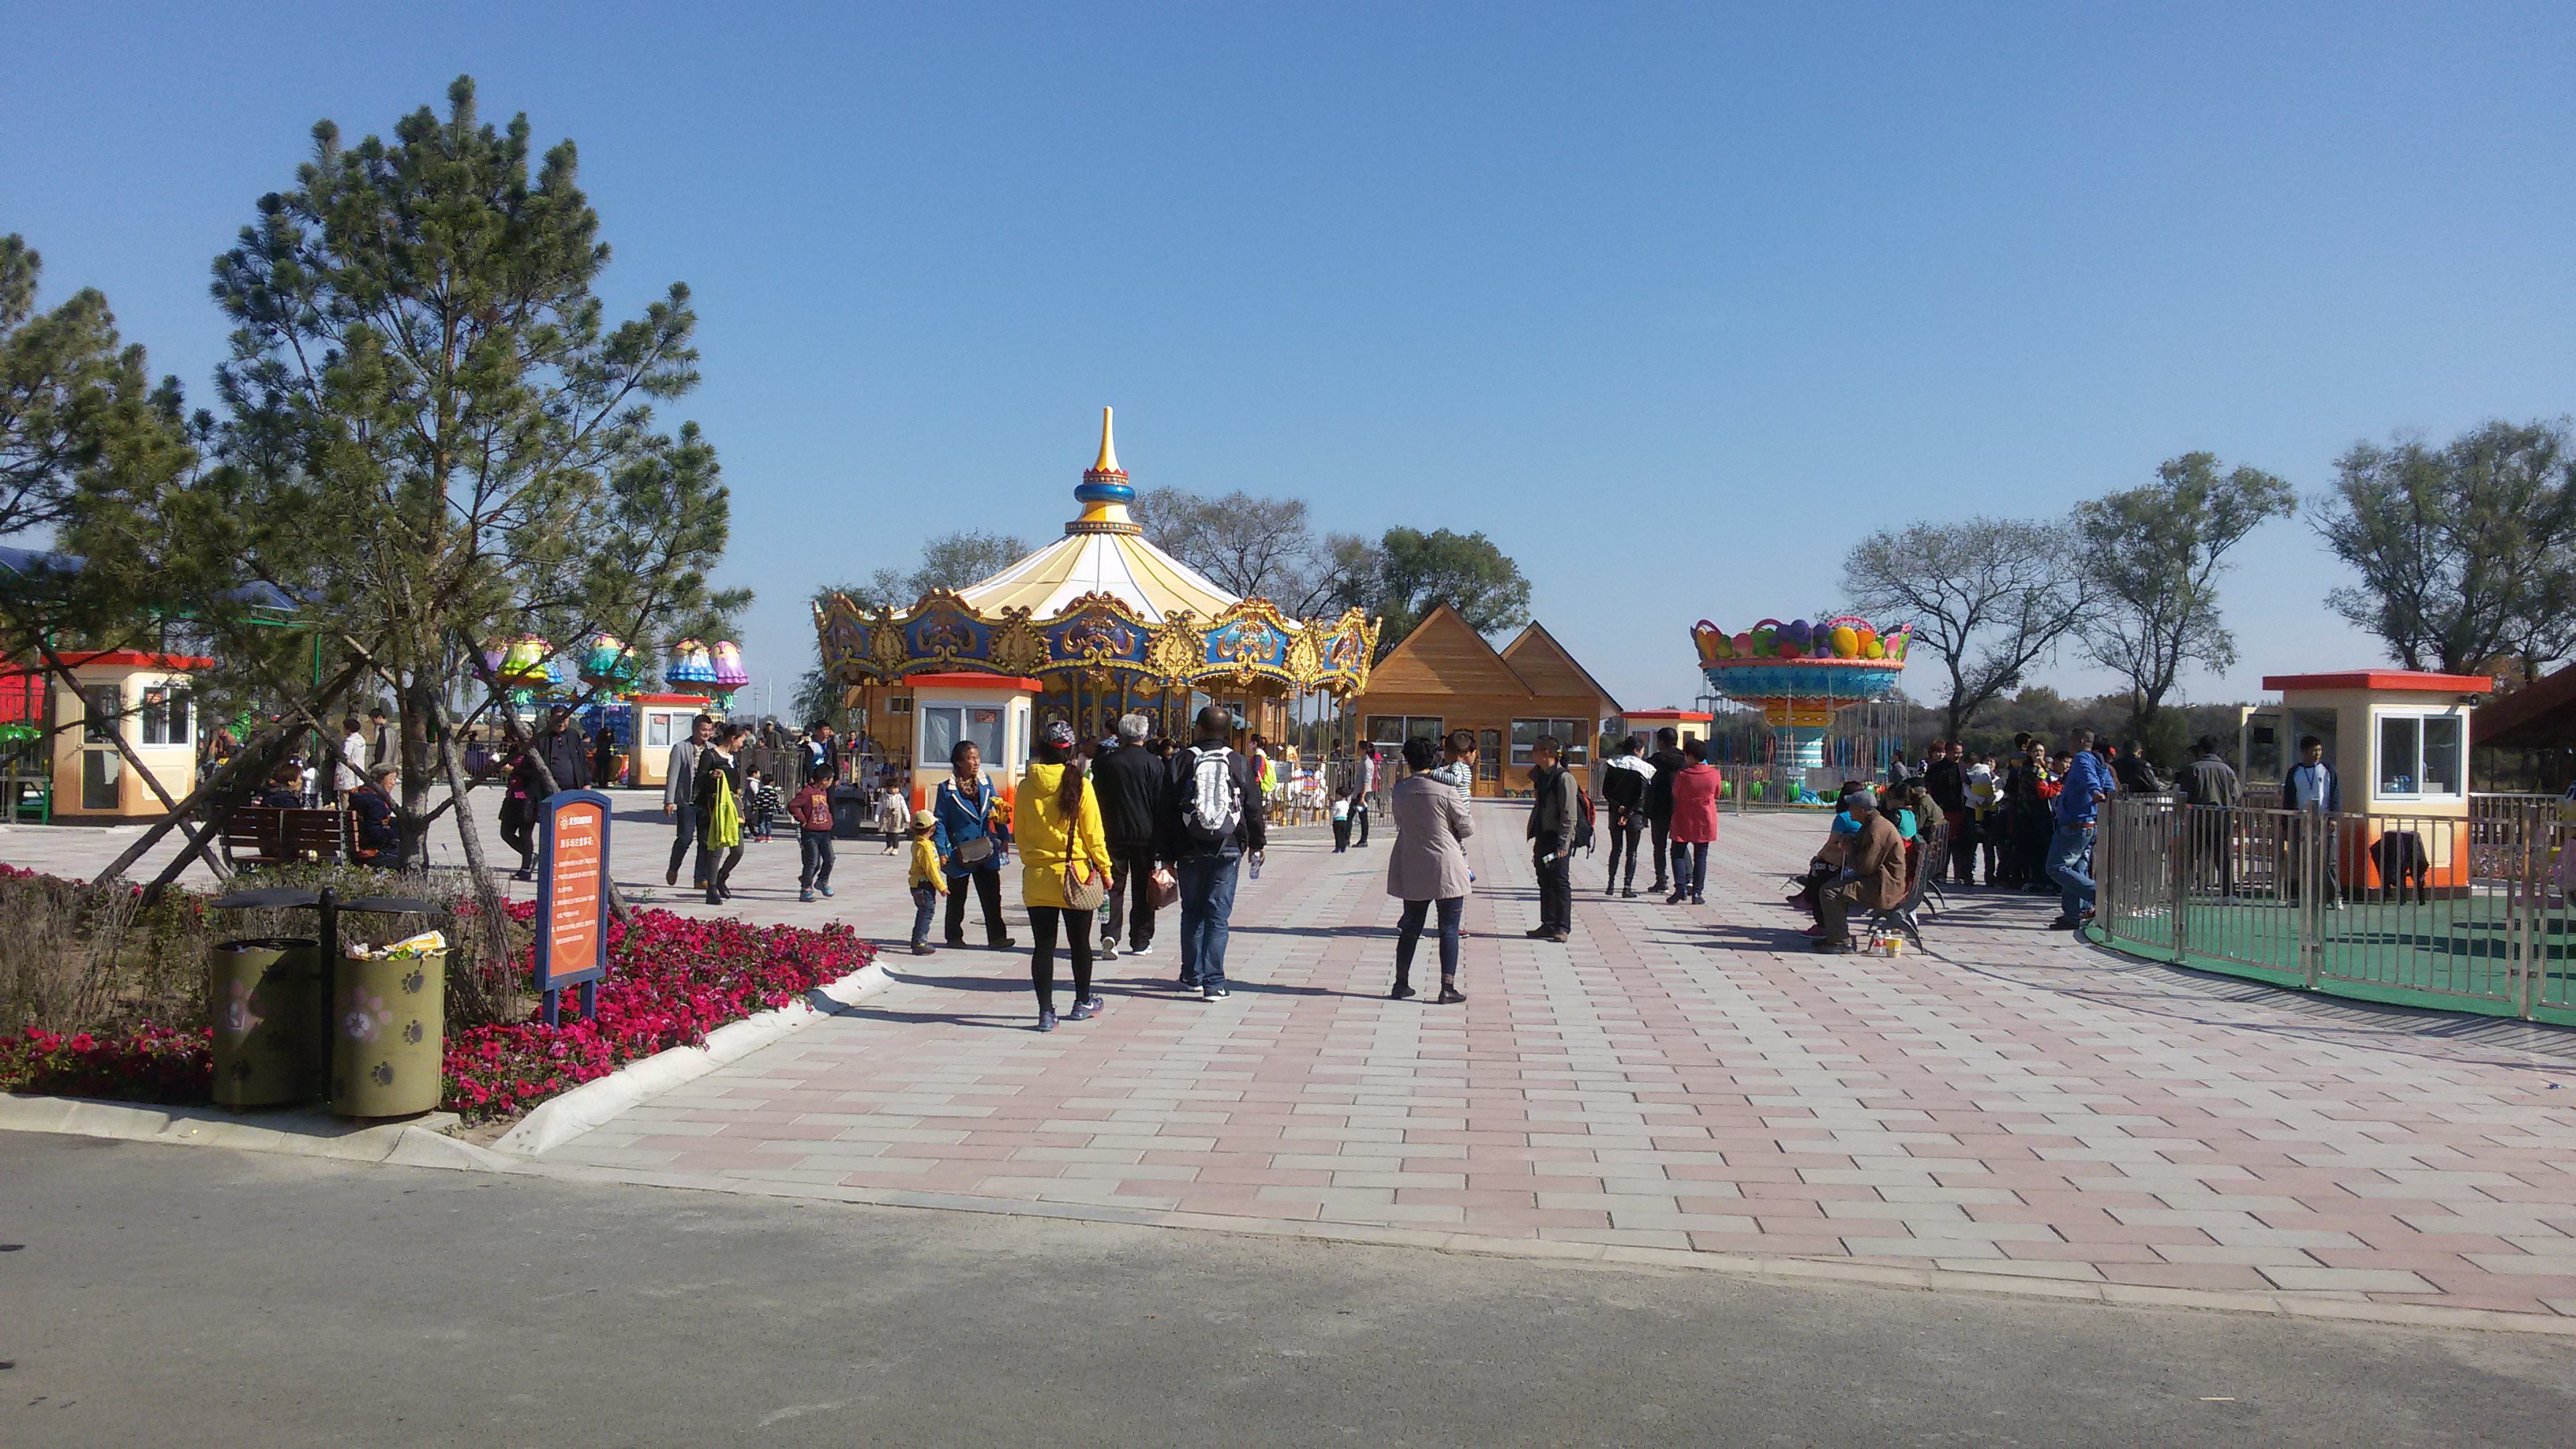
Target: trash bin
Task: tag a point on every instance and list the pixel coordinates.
(264, 994)
(854, 812)
(388, 1032)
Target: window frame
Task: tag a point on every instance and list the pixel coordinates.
(2418, 726)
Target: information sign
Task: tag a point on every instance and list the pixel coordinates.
(572, 898)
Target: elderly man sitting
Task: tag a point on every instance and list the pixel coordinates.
(1872, 875)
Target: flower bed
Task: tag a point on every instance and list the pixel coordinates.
(671, 979)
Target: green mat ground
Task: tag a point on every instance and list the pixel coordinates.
(2447, 953)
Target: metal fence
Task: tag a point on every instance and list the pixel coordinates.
(2458, 911)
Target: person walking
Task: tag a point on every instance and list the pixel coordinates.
(560, 746)
(2210, 792)
(1667, 761)
(1211, 822)
(811, 808)
(1064, 868)
(822, 752)
(1130, 783)
(680, 800)
(1372, 778)
(972, 841)
(1694, 823)
(2080, 793)
(1624, 782)
(1556, 808)
(719, 778)
(1426, 866)
(1984, 825)
(603, 756)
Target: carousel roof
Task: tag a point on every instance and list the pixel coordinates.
(1102, 552)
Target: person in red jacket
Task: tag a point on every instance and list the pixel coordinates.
(1694, 828)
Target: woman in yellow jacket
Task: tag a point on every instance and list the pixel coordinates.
(1059, 828)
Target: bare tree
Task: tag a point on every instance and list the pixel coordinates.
(2156, 553)
(1990, 597)
(1254, 547)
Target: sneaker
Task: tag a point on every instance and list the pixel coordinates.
(826, 890)
(1676, 898)
(1145, 950)
(805, 896)
(1214, 993)
(1005, 944)
(1402, 992)
(1451, 995)
(1046, 1018)
(2062, 923)
(1107, 953)
(1699, 900)
(1187, 983)
(1835, 948)
(956, 943)
(1096, 1006)
(523, 873)
(1629, 894)
(1081, 1012)
(924, 948)
(1558, 937)
(1540, 934)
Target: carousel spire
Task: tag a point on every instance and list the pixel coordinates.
(1104, 494)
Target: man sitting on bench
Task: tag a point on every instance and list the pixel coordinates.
(378, 839)
(1872, 877)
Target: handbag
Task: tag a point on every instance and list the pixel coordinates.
(971, 852)
(1081, 894)
(1163, 888)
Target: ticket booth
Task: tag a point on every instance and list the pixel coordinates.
(992, 710)
(1689, 724)
(146, 699)
(2399, 743)
(653, 723)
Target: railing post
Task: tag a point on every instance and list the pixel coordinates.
(2311, 909)
(2178, 865)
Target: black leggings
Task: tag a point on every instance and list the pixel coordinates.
(1043, 921)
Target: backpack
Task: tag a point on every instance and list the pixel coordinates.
(1213, 809)
(1584, 811)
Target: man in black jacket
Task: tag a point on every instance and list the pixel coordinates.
(1623, 789)
(1131, 784)
(1555, 810)
(1668, 762)
(1946, 780)
(1206, 858)
(560, 746)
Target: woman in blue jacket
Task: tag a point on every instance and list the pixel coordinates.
(971, 844)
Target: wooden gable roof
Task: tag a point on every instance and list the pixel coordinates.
(1444, 655)
(1550, 670)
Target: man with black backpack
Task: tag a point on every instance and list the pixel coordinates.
(1211, 821)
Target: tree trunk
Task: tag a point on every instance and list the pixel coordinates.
(487, 897)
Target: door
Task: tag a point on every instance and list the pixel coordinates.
(102, 768)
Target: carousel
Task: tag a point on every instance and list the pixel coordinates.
(1096, 625)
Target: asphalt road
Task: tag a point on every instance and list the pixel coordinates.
(166, 1295)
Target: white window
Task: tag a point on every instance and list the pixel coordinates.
(1573, 741)
(657, 730)
(2420, 754)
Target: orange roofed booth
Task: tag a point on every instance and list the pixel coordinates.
(2399, 743)
(149, 701)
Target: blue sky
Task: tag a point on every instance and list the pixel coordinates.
(1674, 303)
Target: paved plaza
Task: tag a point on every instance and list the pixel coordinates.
(2007, 1102)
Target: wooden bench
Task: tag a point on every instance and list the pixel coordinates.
(256, 835)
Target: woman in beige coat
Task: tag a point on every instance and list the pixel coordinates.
(1428, 865)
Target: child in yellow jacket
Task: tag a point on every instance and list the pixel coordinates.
(927, 880)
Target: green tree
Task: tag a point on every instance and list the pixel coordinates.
(959, 560)
(2462, 550)
(1409, 573)
(436, 438)
(2155, 554)
(1989, 597)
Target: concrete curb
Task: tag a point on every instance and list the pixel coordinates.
(415, 1142)
(1853, 1273)
(560, 1119)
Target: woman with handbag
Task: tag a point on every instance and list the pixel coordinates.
(719, 795)
(1064, 868)
(971, 840)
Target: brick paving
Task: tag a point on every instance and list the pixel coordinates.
(2009, 1102)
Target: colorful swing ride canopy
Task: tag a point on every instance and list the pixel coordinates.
(1104, 605)
(1800, 673)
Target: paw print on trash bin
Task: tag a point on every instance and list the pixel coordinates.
(365, 1016)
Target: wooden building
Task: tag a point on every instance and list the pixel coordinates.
(1444, 677)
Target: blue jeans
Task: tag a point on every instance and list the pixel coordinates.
(1207, 901)
(815, 849)
(925, 902)
(2070, 864)
(1408, 930)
